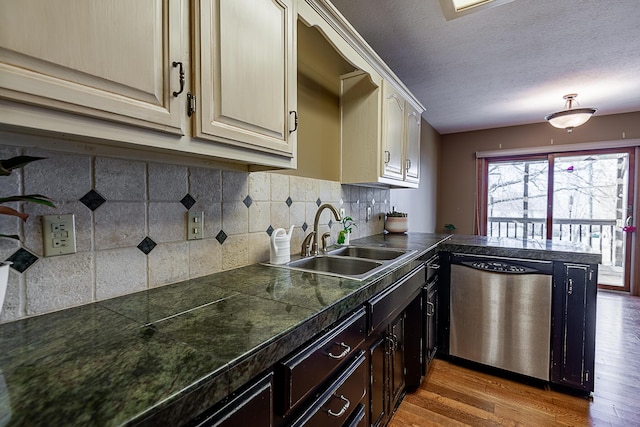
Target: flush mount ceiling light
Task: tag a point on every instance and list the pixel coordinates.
(570, 117)
(457, 8)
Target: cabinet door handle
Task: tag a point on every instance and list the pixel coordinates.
(393, 343)
(346, 351)
(570, 291)
(408, 164)
(389, 345)
(387, 157)
(295, 122)
(176, 64)
(344, 408)
(430, 309)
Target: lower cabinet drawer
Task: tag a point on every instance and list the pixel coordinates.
(308, 368)
(387, 303)
(343, 396)
(252, 407)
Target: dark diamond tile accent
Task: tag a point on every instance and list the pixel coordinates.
(304, 227)
(188, 201)
(93, 200)
(22, 259)
(330, 223)
(270, 230)
(247, 201)
(221, 237)
(289, 202)
(318, 202)
(147, 245)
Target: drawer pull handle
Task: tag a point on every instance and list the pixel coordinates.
(346, 351)
(344, 408)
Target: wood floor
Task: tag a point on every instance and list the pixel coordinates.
(455, 396)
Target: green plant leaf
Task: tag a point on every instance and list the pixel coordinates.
(10, 236)
(6, 166)
(33, 198)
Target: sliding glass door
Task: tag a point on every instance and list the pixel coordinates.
(581, 197)
(517, 198)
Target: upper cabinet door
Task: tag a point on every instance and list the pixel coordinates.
(393, 112)
(412, 150)
(245, 73)
(110, 59)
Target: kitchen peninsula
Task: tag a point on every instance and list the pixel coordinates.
(170, 353)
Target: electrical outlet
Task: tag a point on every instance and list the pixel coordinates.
(368, 213)
(342, 212)
(195, 224)
(59, 234)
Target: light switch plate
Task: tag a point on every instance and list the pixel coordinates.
(59, 234)
(195, 224)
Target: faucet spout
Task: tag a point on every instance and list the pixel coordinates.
(336, 216)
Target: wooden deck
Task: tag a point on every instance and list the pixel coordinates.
(452, 395)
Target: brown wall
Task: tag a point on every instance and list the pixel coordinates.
(457, 171)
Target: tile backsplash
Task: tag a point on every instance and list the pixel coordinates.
(131, 224)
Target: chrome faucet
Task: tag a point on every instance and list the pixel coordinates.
(336, 215)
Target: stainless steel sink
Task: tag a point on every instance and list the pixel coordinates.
(368, 252)
(352, 262)
(336, 264)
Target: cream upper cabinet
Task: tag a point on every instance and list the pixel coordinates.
(380, 132)
(110, 59)
(245, 73)
(393, 128)
(412, 143)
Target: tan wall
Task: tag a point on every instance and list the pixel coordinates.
(420, 203)
(457, 176)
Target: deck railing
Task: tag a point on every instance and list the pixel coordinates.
(601, 235)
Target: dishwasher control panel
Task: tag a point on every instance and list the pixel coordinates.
(502, 265)
(499, 267)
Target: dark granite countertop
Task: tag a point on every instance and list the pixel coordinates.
(530, 249)
(163, 355)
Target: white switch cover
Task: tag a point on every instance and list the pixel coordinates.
(195, 223)
(59, 234)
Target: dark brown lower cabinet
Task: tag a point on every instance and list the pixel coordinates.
(302, 373)
(252, 407)
(573, 325)
(335, 405)
(394, 345)
(387, 355)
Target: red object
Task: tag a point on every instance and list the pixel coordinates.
(628, 228)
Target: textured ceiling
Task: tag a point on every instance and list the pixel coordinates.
(510, 64)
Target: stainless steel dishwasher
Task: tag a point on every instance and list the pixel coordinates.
(500, 313)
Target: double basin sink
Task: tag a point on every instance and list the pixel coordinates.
(353, 262)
